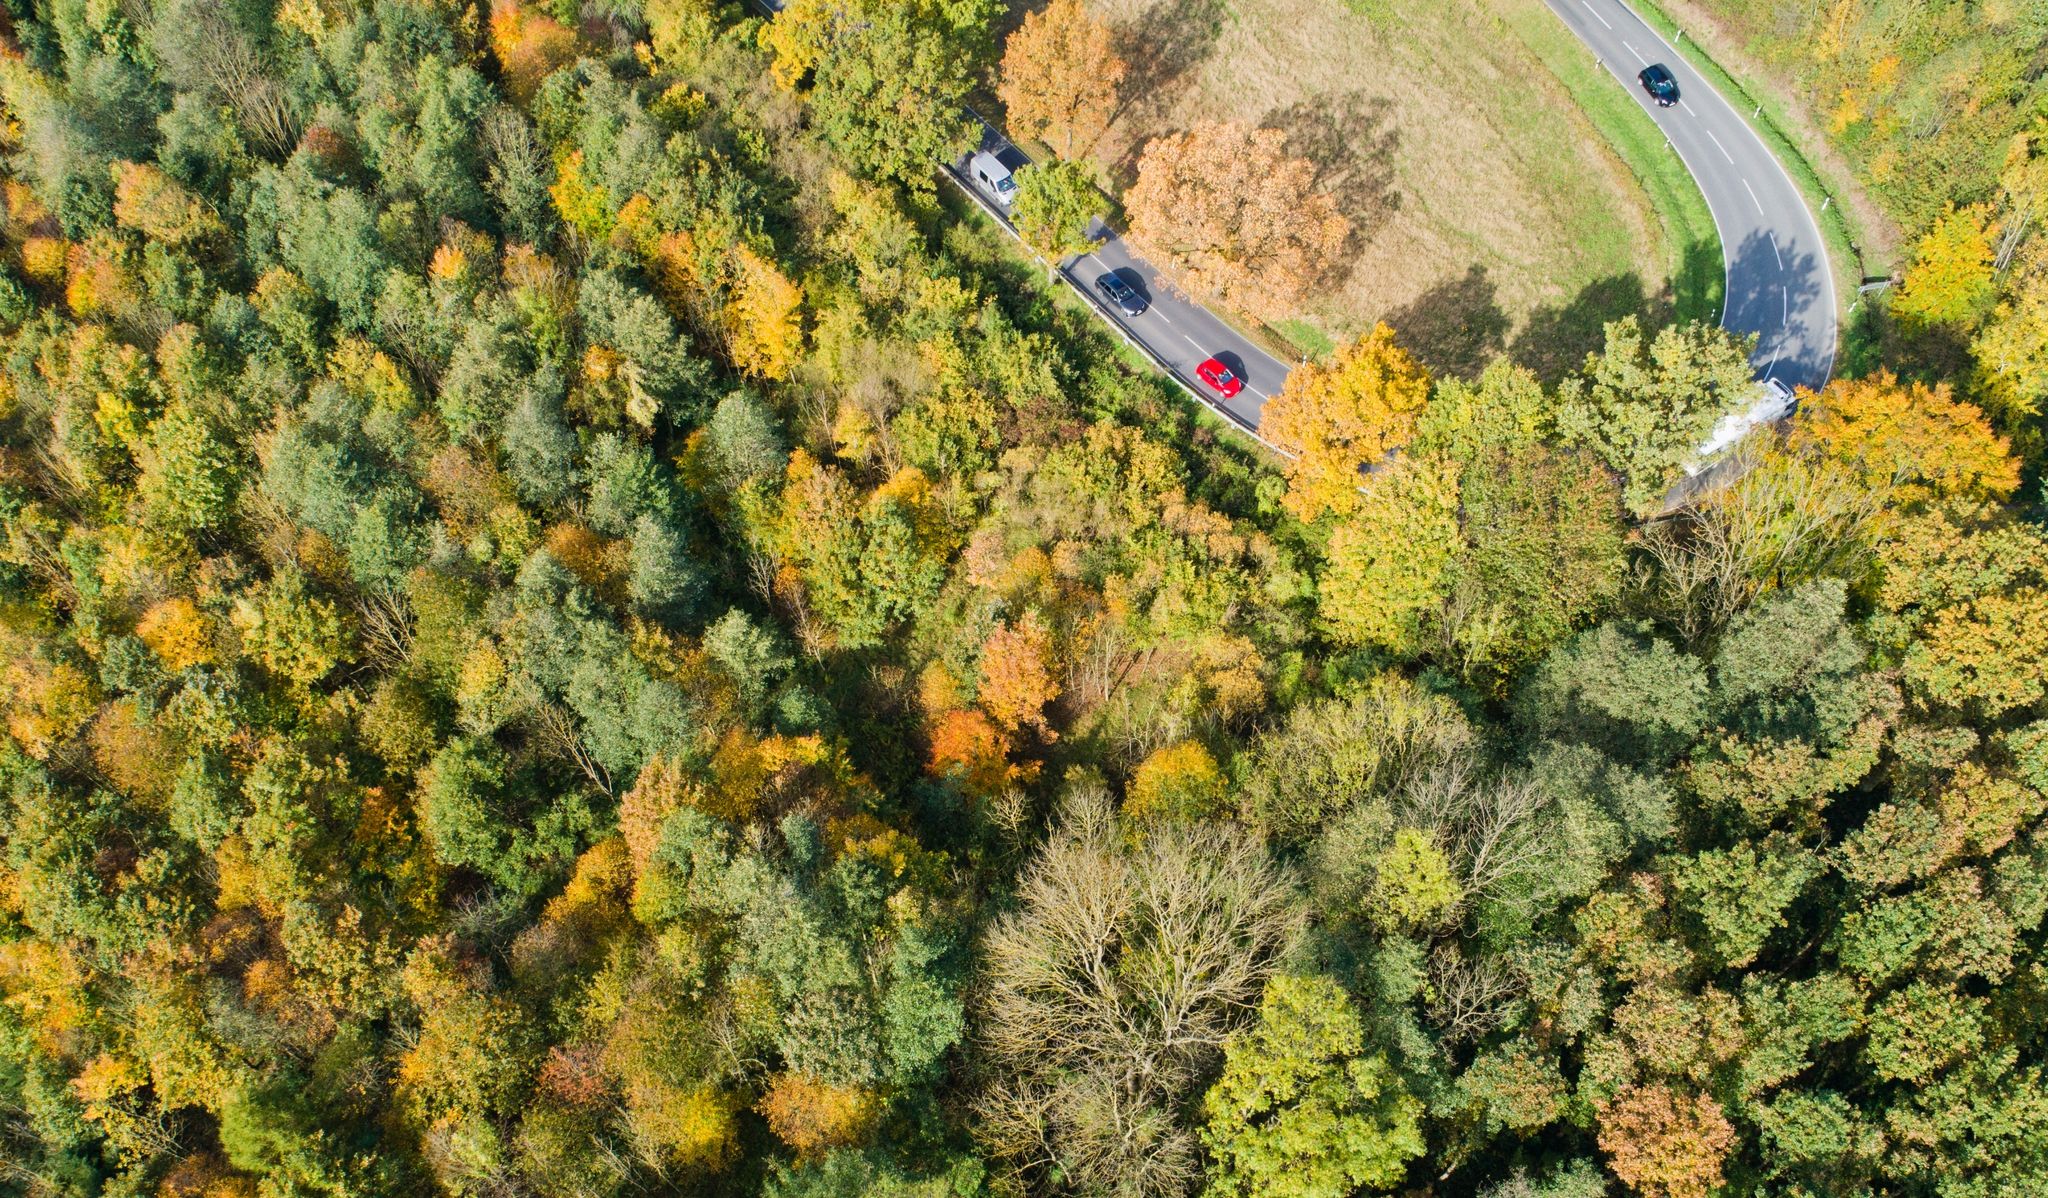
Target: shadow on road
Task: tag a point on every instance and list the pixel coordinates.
(1456, 327)
(1765, 296)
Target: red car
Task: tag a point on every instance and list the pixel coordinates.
(1217, 375)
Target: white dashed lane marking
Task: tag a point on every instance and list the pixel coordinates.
(1752, 199)
(1724, 151)
(1595, 12)
(1774, 248)
(1638, 54)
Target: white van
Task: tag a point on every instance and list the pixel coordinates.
(1774, 401)
(994, 178)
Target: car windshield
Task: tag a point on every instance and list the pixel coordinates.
(1006, 183)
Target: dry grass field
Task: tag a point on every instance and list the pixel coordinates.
(1490, 214)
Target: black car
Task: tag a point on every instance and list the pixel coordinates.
(1120, 293)
(1658, 82)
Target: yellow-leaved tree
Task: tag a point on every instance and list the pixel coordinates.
(1908, 440)
(1389, 561)
(1950, 281)
(1341, 418)
(764, 317)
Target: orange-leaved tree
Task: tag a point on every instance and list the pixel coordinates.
(1060, 76)
(1236, 215)
(1908, 439)
(529, 46)
(1664, 1145)
(1016, 675)
(1338, 419)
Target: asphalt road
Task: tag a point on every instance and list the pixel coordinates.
(1779, 285)
(1174, 331)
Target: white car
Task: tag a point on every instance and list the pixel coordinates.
(994, 178)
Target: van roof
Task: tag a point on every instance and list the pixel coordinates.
(988, 162)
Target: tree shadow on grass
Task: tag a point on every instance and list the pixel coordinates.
(1456, 327)
(1172, 38)
(1351, 139)
(1556, 338)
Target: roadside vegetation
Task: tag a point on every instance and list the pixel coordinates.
(571, 630)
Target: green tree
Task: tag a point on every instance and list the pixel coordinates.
(1300, 1111)
(1055, 204)
(1646, 405)
(887, 80)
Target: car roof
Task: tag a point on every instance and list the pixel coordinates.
(1657, 72)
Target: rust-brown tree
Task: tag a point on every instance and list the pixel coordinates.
(1236, 216)
(1060, 76)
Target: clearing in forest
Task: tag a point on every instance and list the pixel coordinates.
(1490, 213)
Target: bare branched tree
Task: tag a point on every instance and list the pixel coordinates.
(1471, 996)
(1491, 823)
(1783, 520)
(205, 48)
(385, 619)
(555, 731)
(1109, 994)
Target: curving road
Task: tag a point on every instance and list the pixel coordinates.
(1779, 286)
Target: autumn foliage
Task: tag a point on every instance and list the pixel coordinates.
(529, 45)
(811, 1115)
(1060, 75)
(1664, 1144)
(1016, 675)
(1917, 439)
(1236, 216)
(1338, 420)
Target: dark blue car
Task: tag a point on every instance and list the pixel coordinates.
(1658, 82)
(1120, 293)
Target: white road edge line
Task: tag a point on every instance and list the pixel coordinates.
(1724, 151)
(1595, 12)
(1759, 203)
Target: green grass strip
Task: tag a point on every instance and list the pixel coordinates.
(1837, 226)
(1692, 243)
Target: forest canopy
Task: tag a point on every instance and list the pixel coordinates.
(575, 625)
